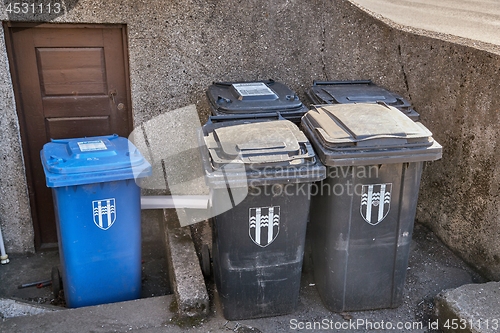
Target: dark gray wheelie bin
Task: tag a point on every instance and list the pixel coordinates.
(258, 245)
(255, 97)
(362, 213)
(358, 91)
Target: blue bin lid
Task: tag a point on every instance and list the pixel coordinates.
(90, 160)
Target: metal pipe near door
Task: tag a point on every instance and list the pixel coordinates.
(4, 258)
(178, 201)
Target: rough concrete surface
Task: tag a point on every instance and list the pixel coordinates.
(24, 269)
(10, 308)
(471, 308)
(478, 20)
(177, 48)
(155, 275)
(187, 280)
(432, 268)
(15, 217)
(116, 317)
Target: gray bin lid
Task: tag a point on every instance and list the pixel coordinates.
(361, 91)
(364, 134)
(264, 143)
(256, 153)
(356, 93)
(253, 97)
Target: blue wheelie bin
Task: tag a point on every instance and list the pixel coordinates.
(97, 205)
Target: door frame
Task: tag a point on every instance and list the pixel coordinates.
(11, 56)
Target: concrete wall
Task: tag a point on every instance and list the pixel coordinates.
(177, 48)
(15, 215)
(456, 90)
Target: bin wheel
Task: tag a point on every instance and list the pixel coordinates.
(56, 281)
(205, 260)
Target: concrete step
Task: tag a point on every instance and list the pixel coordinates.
(185, 273)
(473, 308)
(10, 308)
(115, 317)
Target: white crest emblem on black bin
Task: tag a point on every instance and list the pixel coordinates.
(264, 225)
(375, 202)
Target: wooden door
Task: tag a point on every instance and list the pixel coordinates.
(69, 81)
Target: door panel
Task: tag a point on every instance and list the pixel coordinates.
(61, 106)
(66, 127)
(68, 81)
(72, 71)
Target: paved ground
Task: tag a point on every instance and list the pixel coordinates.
(24, 269)
(432, 268)
(473, 19)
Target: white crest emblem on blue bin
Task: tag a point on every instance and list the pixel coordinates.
(375, 202)
(264, 225)
(104, 213)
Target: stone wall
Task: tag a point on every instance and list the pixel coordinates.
(177, 48)
(456, 90)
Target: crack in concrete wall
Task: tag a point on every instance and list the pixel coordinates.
(322, 50)
(405, 78)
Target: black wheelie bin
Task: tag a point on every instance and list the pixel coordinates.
(258, 245)
(362, 213)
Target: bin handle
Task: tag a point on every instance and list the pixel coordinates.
(246, 116)
(333, 83)
(221, 99)
(403, 101)
(55, 160)
(109, 137)
(228, 84)
(261, 146)
(309, 152)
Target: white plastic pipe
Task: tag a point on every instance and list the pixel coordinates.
(4, 258)
(178, 201)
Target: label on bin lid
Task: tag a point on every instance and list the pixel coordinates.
(365, 98)
(253, 89)
(91, 145)
(359, 93)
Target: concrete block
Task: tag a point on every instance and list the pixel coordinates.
(184, 268)
(471, 308)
